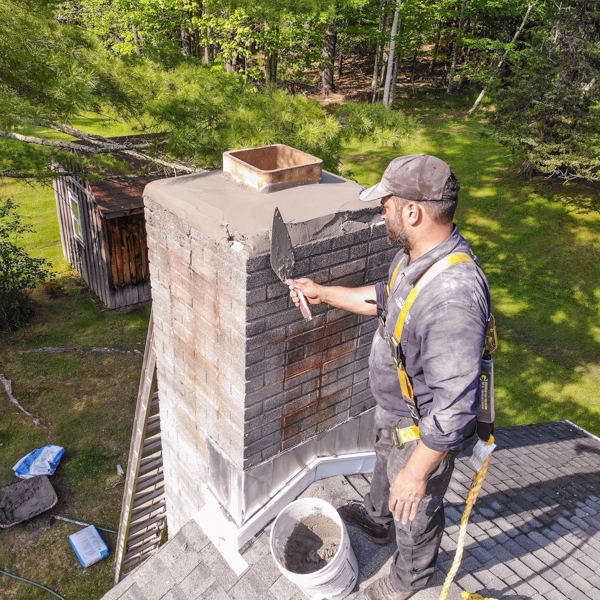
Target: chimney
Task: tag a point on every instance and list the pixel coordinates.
(251, 393)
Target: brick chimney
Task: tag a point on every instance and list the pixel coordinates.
(250, 392)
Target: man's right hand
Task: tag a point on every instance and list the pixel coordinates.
(310, 289)
(351, 299)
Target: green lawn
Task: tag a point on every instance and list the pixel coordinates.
(87, 400)
(539, 243)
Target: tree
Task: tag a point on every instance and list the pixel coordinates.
(50, 77)
(19, 272)
(547, 105)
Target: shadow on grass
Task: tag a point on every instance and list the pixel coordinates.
(538, 243)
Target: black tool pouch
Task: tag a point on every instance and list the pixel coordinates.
(485, 402)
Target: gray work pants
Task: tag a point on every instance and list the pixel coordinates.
(418, 541)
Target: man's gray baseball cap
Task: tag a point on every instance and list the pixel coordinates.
(413, 177)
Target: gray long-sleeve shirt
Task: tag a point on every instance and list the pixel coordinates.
(442, 342)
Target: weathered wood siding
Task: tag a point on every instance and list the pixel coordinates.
(112, 256)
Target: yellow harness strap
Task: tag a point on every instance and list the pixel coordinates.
(412, 433)
(390, 285)
(431, 273)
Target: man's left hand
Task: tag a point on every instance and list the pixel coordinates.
(406, 493)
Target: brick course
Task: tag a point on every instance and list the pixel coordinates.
(237, 362)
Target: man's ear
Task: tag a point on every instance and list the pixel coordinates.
(413, 213)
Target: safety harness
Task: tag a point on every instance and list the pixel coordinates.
(485, 413)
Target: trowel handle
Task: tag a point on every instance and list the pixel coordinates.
(304, 308)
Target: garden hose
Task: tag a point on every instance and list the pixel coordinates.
(460, 544)
(32, 583)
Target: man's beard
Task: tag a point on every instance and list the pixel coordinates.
(397, 234)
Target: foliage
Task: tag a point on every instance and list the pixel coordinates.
(208, 111)
(374, 122)
(547, 106)
(19, 272)
(54, 72)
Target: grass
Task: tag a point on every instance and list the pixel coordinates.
(539, 243)
(537, 240)
(87, 400)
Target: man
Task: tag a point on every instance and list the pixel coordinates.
(441, 346)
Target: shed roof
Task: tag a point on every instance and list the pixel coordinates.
(122, 196)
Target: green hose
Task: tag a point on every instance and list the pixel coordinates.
(32, 583)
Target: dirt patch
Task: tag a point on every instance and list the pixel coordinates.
(313, 543)
(25, 499)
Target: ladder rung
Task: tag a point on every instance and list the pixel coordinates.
(141, 545)
(150, 457)
(148, 466)
(146, 475)
(152, 439)
(152, 509)
(152, 506)
(135, 561)
(146, 483)
(147, 502)
(145, 524)
(152, 447)
(141, 536)
(153, 423)
(130, 557)
(145, 498)
(138, 558)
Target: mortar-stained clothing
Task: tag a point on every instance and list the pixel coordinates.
(413, 564)
(442, 342)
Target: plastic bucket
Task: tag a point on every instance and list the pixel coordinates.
(338, 577)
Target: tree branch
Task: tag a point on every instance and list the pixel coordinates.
(101, 145)
(499, 65)
(30, 139)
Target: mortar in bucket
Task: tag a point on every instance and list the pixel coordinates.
(311, 547)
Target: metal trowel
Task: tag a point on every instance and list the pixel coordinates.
(282, 258)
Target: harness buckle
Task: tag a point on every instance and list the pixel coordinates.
(403, 435)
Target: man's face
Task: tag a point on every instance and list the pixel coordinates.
(397, 234)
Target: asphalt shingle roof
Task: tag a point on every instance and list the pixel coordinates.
(534, 533)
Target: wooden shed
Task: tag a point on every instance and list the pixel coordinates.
(103, 236)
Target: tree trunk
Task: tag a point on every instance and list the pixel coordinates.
(436, 48)
(328, 59)
(395, 78)
(414, 66)
(271, 68)
(397, 61)
(499, 65)
(340, 62)
(457, 35)
(136, 39)
(206, 50)
(185, 41)
(378, 54)
(375, 80)
(463, 77)
(206, 56)
(391, 58)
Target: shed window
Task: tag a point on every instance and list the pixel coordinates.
(75, 215)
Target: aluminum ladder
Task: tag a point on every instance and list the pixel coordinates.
(143, 511)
